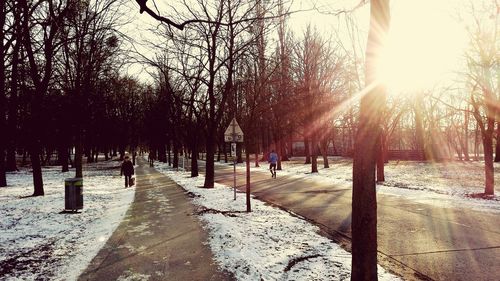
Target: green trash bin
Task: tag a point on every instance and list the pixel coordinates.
(73, 194)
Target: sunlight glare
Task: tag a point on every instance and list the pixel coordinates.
(424, 45)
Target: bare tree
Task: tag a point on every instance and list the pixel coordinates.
(41, 23)
(483, 61)
(3, 96)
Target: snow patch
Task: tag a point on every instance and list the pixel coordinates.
(266, 244)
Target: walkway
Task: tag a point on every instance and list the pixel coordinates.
(159, 238)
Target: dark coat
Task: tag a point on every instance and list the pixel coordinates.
(127, 168)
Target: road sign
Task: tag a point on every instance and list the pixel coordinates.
(233, 132)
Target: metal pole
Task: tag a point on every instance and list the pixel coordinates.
(247, 160)
(234, 169)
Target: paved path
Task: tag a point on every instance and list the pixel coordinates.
(159, 238)
(416, 240)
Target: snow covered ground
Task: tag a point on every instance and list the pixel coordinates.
(37, 242)
(449, 184)
(266, 244)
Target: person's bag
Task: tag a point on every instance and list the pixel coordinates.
(132, 181)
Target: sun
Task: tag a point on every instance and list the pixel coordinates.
(424, 46)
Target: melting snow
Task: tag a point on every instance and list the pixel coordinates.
(38, 242)
(266, 244)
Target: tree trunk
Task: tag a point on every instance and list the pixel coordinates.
(3, 94)
(497, 146)
(176, 155)
(37, 169)
(209, 163)
(476, 143)
(284, 151)
(218, 152)
(419, 128)
(225, 152)
(364, 197)
(466, 136)
(12, 120)
(239, 158)
(489, 184)
(63, 155)
(314, 156)
(279, 151)
(324, 151)
(169, 158)
(3, 177)
(194, 160)
(380, 159)
(307, 151)
(78, 158)
(162, 153)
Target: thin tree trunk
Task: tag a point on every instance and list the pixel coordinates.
(63, 158)
(307, 151)
(37, 169)
(194, 159)
(78, 163)
(218, 152)
(3, 94)
(466, 136)
(279, 150)
(324, 151)
(162, 153)
(284, 151)
(176, 155)
(488, 165)
(169, 158)
(12, 121)
(209, 163)
(225, 152)
(380, 159)
(497, 146)
(314, 156)
(239, 153)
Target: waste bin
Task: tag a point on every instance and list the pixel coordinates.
(73, 194)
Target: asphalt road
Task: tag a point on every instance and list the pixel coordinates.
(417, 241)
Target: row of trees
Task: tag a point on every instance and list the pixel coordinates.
(284, 86)
(62, 88)
(60, 84)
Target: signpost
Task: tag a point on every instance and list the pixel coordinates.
(233, 134)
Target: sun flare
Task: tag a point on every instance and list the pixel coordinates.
(423, 46)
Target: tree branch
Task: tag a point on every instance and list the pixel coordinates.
(144, 8)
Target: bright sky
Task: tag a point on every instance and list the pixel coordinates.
(426, 41)
(426, 44)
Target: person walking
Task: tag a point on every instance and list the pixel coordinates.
(127, 170)
(273, 160)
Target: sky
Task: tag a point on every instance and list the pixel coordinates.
(427, 39)
(426, 42)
